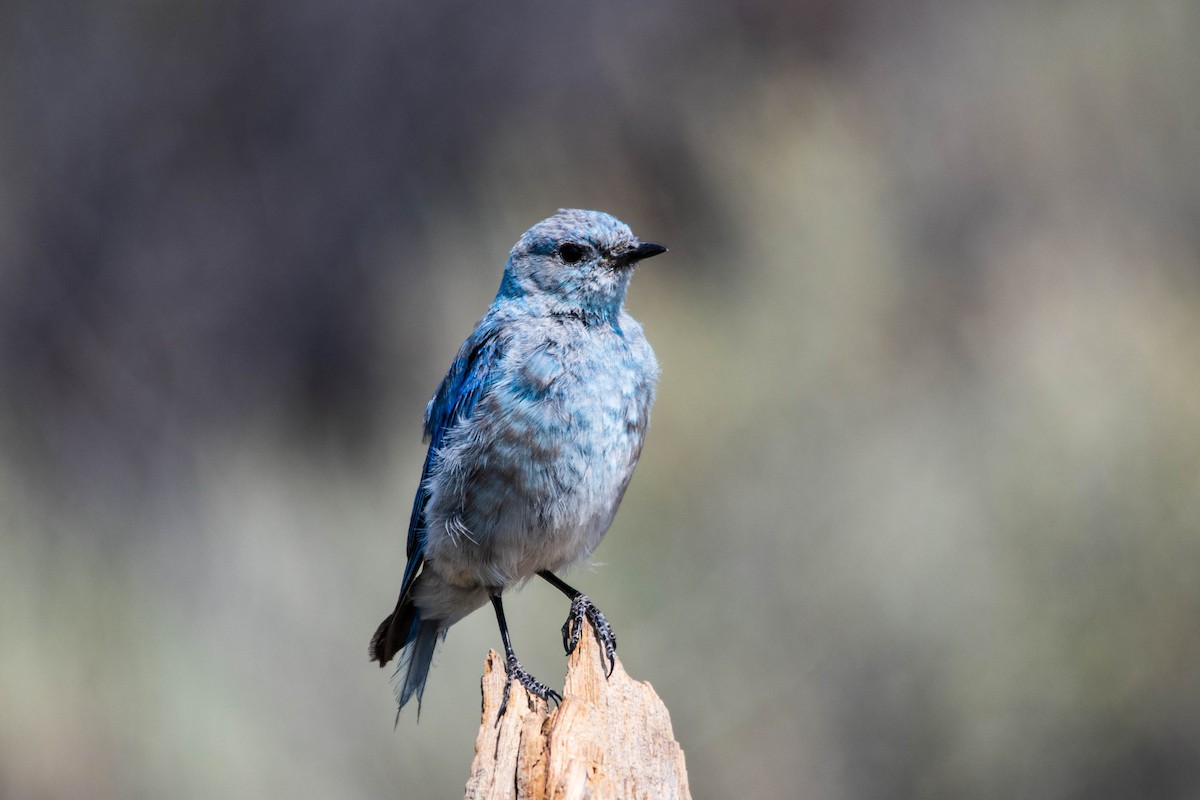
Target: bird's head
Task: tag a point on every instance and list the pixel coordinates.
(575, 261)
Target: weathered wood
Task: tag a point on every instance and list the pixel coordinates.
(611, 738)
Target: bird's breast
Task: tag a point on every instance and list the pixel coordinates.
(579, 412)
(534, 479)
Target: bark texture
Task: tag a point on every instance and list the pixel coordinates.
(611, 738)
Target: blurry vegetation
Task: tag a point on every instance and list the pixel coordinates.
(918, 515)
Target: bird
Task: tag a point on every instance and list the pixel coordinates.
(533, 436)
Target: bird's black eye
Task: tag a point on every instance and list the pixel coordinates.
(570, 253)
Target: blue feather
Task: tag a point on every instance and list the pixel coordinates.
(405, 629)
(455, 399)
(533, 436)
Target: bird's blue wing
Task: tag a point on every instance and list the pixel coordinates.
(472, 372)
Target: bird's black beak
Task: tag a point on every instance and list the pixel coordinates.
(642, 251)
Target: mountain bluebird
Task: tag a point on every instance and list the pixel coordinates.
(533, 437)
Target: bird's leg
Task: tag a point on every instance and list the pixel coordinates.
(581, 608)
(513, 668)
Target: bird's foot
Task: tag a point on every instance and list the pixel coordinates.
(518, 673)
(581, 609)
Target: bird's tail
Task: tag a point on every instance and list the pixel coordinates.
(405, 629)
(425, 611)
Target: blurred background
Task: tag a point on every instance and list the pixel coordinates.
(919, 514)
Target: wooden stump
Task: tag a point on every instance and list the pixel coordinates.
(611, 738)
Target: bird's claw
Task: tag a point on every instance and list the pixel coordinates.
(518, 673)
(582, 608)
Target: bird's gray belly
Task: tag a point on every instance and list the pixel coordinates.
(531, 486)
